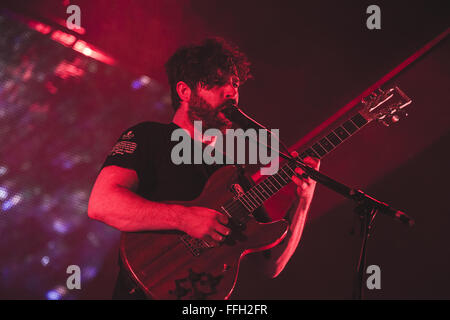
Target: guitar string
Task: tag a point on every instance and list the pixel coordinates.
(235, 205)
(238, 204)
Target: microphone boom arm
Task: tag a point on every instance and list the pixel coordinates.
(361, 198)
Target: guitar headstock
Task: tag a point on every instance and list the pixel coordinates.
(386, 106)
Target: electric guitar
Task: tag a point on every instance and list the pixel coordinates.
(173, 265)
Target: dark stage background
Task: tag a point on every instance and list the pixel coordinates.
(65, 98)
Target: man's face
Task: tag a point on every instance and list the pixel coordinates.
(206, 104)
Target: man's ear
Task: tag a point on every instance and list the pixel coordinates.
(184, 92)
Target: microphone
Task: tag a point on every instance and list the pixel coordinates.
(244, 121)
(237, 116)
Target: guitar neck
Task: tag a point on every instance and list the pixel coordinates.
(320, 147)
(327, 142)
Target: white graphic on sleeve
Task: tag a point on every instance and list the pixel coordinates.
(127, 136)
(123, 147)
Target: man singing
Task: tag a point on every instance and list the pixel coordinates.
(138, 175)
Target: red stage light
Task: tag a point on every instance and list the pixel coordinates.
(39, 27)
(65, 70)
(90, 51)
(63, 23)
(63, 38)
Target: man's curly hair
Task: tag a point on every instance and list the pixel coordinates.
(210, 63)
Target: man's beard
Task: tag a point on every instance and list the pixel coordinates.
(200, 110)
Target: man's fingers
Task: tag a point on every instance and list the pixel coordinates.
(222, 219)
(302, 184)
(296, 180)
(312, 162)
(301, 174)
(210, 241)
(222, 230)
(217, 237)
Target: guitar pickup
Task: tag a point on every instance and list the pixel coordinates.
(195, 246)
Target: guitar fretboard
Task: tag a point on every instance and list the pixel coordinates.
(258, 194)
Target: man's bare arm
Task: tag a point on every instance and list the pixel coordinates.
(296, 215)
(114, 201)
(281, 254)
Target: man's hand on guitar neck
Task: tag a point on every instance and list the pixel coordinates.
(305, 185)
(281, 254)
(207, 224)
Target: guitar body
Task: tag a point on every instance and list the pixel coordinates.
(171, 265)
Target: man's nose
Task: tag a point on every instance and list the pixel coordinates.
(231, 92)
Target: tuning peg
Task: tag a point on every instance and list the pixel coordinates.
(391, 119)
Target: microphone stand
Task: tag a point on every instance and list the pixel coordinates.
(367, 207)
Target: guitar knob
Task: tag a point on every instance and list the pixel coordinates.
(395, 118)
(236, 189)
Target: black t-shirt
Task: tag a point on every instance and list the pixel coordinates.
(146, 148)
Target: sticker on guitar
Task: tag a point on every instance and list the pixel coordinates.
(196, 286)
